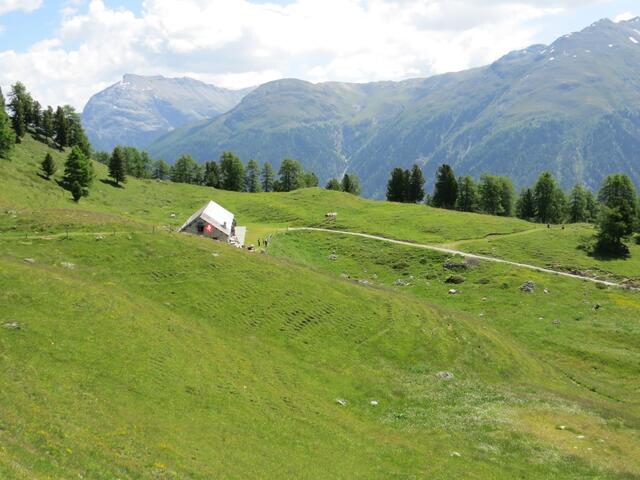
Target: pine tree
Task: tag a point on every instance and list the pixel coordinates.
(48, 166)
(415, 193)
(526, 206)
(161, 170)
(467, 195)
(185, 170)
(48, 128)
(396, 187)
(7, 136)
(253, 177)
(290, 174)
(578, 204)
(591, 206)
(231, 172)
(333, 184)
(36, 115)
(117, 165)
(77, 192)
(267, 177)
(507, 194)
(446, 188)
(544, 195)
(618, 216)
(20, 104)
(61, 128)
(211, 174)
(310, 179)
(78, 169)
(350, 184)
(490, 195)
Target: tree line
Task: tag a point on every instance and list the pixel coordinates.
(615, 210)
(61, 126)
(228, 173)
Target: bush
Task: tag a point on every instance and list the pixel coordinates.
(455, 279)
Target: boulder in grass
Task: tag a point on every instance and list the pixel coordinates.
(341, 401)
(528, 287)
(12, 326)
(445, 375)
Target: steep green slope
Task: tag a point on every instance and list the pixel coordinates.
(572, 107)
(143, 353)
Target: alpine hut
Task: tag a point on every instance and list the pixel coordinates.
(216, 222)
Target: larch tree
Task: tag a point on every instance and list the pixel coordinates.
(78, 170)
(231, 172)
(415, 189)
(446, 188)
(48, 166)
(7, 136)
(333, 184)
(117, 165)
(290, 174)
(252, 183)
(267, 177)
(396, 187)
(467, 200)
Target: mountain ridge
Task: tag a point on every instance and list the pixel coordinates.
(138, 109)
(568, 107)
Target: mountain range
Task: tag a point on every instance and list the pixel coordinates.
(139, 109)
(572, 107)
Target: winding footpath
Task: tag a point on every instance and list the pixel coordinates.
(451, 251)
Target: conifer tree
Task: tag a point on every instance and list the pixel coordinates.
(185, 170)
(48, 128)
(290, 174)
(253, 177)
(618, 216)
(396, 186)
(48, 166)
(36, 115)
(211, 174)
(333, 184)
(309, 179)
(161, 170)
(7, 136)
(267, 177)
(350, 184)
(117, 165)
(544, 194)
(467, 195)
(415, 193)
(231, 172)
(77, 192)
(446, 188)
(61, 128)
(578, 204)
(78, 169)
(525, 206)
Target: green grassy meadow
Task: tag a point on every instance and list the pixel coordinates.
(144, 353)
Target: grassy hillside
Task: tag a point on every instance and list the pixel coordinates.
(143, 353)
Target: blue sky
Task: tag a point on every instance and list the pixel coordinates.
(69, 49)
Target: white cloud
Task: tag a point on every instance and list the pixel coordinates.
(7, 6)
(623, 17)
(236, 43)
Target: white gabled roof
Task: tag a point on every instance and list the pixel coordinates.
(214, 214)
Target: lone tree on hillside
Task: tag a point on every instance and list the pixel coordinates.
(396, 187)
(48, 166)
(446, 188)
(618, 216)
(78, 173)
(267, 177)
(117, 165)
